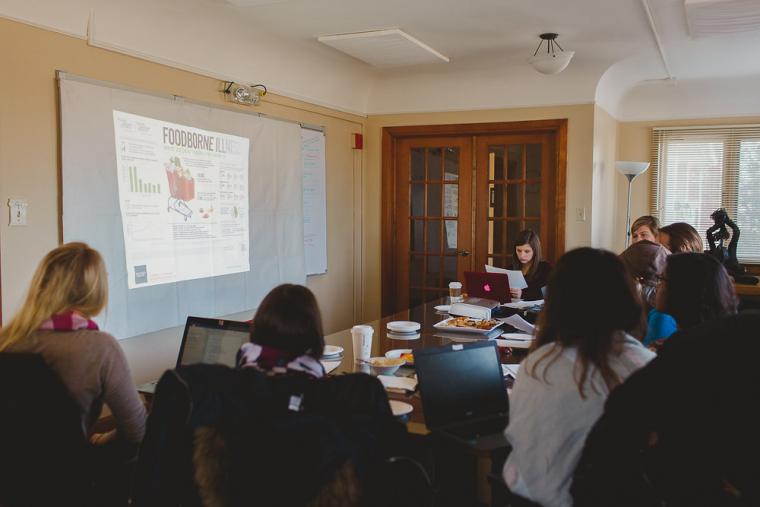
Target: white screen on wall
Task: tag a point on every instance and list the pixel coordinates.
(183, 196)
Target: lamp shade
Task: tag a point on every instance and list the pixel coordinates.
(551, 63)
(629, 168)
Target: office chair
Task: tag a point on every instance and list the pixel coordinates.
(43, 449)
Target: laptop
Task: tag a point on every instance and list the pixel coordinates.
(487, 285)
(210, 341)
(463, 393)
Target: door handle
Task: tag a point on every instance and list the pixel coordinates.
(464, 253)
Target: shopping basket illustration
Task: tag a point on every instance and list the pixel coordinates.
(181, 190)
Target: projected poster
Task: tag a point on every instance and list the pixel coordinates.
(183, 195)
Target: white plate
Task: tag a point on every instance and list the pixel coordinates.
(396, 353)
(332, 350)
(403, 326)
(442, 308)
(400, 408)
(404, 336)
(470, 330)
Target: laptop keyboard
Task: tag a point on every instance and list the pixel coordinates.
(475, 429)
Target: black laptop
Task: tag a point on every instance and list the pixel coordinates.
(463, 393)
(210, 341)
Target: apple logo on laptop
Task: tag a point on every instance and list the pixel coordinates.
(487, 287)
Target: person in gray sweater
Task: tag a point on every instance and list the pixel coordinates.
(69, 287)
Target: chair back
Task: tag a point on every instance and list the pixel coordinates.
(43, 449)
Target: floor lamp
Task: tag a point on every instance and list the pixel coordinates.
(630, 170)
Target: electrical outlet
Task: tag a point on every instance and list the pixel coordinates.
(17, 212)
(580, 214)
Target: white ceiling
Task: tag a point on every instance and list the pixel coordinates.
(488, 42)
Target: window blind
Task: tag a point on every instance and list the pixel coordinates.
(696, 170)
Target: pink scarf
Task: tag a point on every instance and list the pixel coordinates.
(269, 359)
(69, 321)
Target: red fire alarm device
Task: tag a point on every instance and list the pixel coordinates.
(357, 141)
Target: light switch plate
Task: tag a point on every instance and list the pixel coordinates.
(18, 209)
(580, 214)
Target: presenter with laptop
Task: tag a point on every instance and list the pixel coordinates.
(526, 257)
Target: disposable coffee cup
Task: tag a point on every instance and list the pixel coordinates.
(455, 292)
(362, 341)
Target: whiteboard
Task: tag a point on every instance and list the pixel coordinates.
(314, 201)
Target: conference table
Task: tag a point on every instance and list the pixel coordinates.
(429, 336)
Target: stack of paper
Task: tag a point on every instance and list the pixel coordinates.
(519, 323)
(516, 278)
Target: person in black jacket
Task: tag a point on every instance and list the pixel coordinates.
(526, 257)
(683, 430)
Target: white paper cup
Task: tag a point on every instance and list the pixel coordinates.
(362, 340)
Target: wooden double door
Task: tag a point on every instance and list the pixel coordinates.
(455, 201)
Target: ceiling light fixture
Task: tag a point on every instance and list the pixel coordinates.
(551, 62)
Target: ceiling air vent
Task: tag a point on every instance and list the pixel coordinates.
(721, 17)
(384, 48)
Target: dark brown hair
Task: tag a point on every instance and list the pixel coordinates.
(583, 275)
(288, 319)
(527, 237)
(652, 222)
(683, 238)
(697, 289)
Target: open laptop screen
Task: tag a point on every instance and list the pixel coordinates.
(460, 382)
(212, 341)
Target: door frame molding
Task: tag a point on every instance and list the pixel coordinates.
(390, 137)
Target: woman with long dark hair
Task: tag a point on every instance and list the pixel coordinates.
(583, 350)
(526, 257)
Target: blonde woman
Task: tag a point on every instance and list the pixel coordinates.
(70, 287)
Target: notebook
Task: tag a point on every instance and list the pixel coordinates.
(463, 393)
(210, 341)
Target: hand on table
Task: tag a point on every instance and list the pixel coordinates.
(102, 438)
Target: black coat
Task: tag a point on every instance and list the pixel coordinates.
(685, 429)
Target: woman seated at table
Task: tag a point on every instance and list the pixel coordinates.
(645, 260)
(681, 237)
(286, 333)
(645, 228)
(582, 352)
(69, 287)
(526, 257)
(694, 288)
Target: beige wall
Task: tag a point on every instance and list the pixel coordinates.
(29, 165)
(634, 143)
(605, 207)
(579, 175)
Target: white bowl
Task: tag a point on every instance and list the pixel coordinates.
(403, 326)
(385, 365)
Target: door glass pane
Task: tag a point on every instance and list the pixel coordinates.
(514, 200)
(497, 236)
(534, 225)
(451, 200)
(434, 164)
(418, 164)
(449, 270)
(451, 164)
(433, 272)
(434, 199)
(415, 297)
(417, 238)
(415, 271)
(496, 196)
(513, 229)
(515, 164)
(533, 161)
(533, 200)
(450, 240)
(496, 163)
(418, 199)
(433, 236)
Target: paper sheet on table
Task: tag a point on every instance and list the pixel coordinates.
(401, 383)
(330, 365)
(519, 323)
(510, 369)
(516, 278)
(521, 305)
